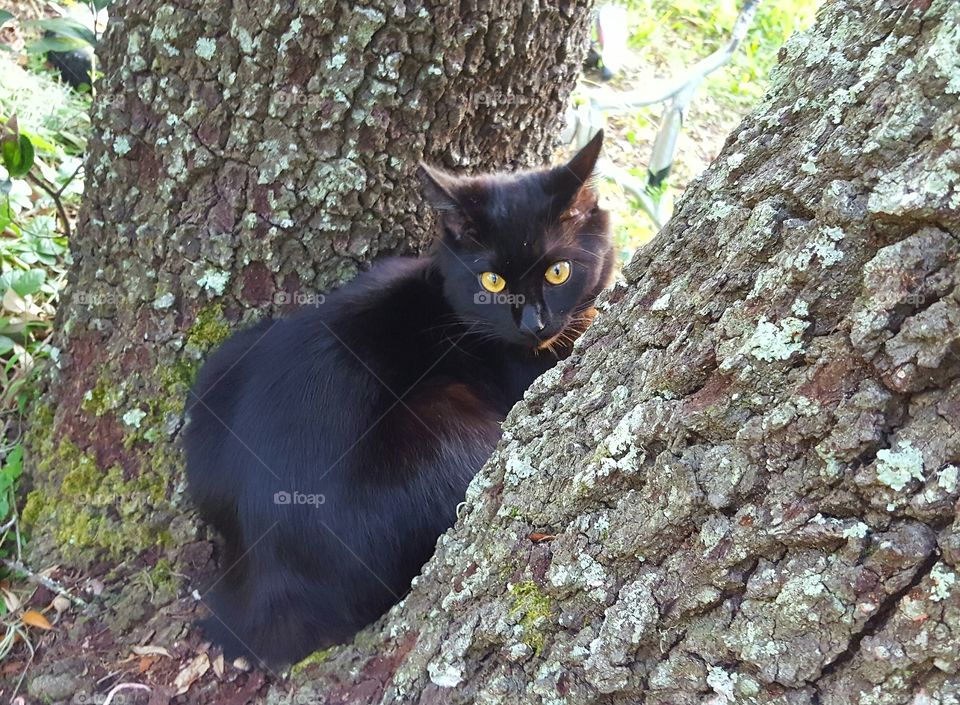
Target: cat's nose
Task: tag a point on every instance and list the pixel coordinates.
(530, 320)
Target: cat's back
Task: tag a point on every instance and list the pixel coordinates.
(283, 384)
(316, 335)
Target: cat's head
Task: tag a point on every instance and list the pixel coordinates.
(523, 255)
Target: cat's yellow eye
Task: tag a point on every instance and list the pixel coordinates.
(492, 282)
(558, 272)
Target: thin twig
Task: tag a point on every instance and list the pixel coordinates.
(56, 199)
(66, 183)
(43, 580)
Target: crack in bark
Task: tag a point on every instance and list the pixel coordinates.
(879, 619)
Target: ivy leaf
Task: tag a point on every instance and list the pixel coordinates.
(62, 44)
(68, 27)
(29, 282)
(17, 152)
(13, 464)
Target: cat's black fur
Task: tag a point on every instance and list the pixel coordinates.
(386, 400)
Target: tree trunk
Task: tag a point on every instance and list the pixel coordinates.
(743, 486)
(244, 158)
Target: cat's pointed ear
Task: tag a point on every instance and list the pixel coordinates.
(567, 179)
(440, 189)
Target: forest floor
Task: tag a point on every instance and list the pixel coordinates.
(142, 634)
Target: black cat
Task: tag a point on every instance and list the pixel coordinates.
(331, 448)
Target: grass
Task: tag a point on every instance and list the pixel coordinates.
(673, 34)
(667, 37)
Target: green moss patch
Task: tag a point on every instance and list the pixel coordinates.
(534, 606)
(209, 329)
(86, 511)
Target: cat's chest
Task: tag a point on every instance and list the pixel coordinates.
(496, 376)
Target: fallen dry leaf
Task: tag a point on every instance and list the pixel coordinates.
(191, 672)
(146, 662)
(11, 601)
(33, 618)
(150, 650)
(218, 666)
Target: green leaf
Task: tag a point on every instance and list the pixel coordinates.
(13, 465)
(42, 46)
(102, 4)
(17, 155)
(68, 27)
(5, 17)
(6, 344)
(29, 282)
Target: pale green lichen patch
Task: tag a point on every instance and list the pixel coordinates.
(121, 145)
(896, 468)
(214, 280)
(104, 397)
(164, 301)
(945, 52)
(205, 47)
(723, 684)
(518, 468)
(857, 530)
(942, 580)
(445, 675)
(947, 480)
(771, 342)
(585, 572)
(134, 417)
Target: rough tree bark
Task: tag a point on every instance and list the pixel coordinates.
(244, 158)
(750, 464)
